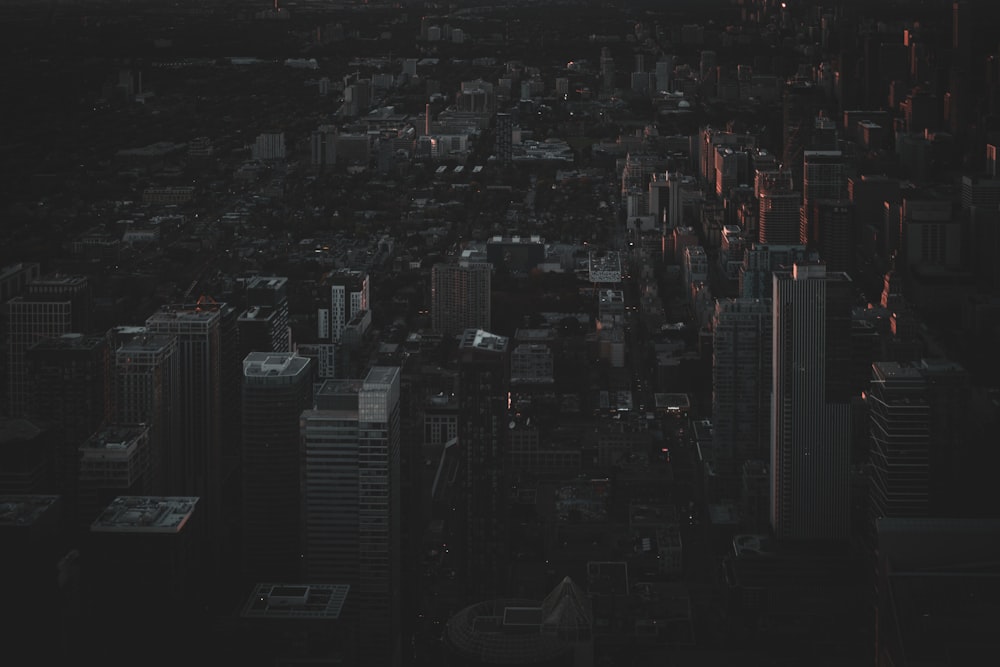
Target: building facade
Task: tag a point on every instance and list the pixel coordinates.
(810, 412)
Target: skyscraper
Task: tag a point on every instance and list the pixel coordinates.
(810, 412)
(351, 482)
(197, 328)
(51, 306)
(900, 441)
(460, 296)
(504, 143)
(145, 390)
(799, 106)
(263, 326)
(349, 295)
(277, 387)
(68, 388)
(741, 377)
(778, 219)
(823, 178)
(484, 384)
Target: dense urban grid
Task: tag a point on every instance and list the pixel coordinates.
(562, 334)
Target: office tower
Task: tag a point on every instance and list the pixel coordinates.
(928, 235)
(741, 377)
(351, 501)
(810, 413)
(26, 453)
(324, 632)
(778, 218)
(980, 192)
(607, 72)
(460, 296)
(114, 461)
(263, 326)
(504, 144)
(900, 441)
(759, 263)
(731, 169)
(14, 278)
(35, 570)
(800, 104)
(349, 295)
(323, 146)
(197, 329)
(830, 230)
(69, 389)
(51, 306)
(823, 178)
(664, 72)
(137, 568)
(483, 381)
(269, 147)
(277, 387)
(146, 389)
(869, 193)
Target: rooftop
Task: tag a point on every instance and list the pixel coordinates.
(483, 340)
(274, 364)
(24, 510)
(299, 601)
(145, 514)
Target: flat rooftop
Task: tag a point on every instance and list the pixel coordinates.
(24, 509)
(298, 601)
(145, 514)
(274, 364)
(483, 340)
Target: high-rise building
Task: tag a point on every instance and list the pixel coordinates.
(484, 385)
(900, 440)
(869, 193)
(349, 295)
(115, 461)
(351, 501)
(14, 278)
(823, 178)
(830, 228)
(778, 217)
(810, 409)
(68, 388)
(50, 306)
(263, 326)
(799, 106)
(504, 143)
(741, 377)
(323, 146)
(760, 262)
(460, 296)
(138, 576)
(197, 329)
(146, 390)
(277, 387)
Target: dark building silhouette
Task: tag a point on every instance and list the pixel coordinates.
(483, 386)
(69, 389)
(146, 390)
(277, 387)
(810, 447)
(138, 576)
(51, 305)
(554, 632)
(41, 574)
(263, 326)
(351, 502)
